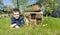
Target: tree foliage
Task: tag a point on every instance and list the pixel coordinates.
(0, 1)
(18, 2)
(50, 5)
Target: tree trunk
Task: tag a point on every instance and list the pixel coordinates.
(17, 4)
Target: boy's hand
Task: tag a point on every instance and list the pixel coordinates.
(13, 25)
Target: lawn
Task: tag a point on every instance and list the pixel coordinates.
(52, 27)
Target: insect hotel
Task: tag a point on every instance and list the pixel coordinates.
(34, 15)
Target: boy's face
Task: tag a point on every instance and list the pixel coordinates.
(16, 15)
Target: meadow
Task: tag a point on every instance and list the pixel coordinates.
(52, 27)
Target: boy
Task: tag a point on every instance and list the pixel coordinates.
(16, 19)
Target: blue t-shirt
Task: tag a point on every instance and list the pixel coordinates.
(19, 21)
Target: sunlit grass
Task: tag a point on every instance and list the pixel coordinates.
(52, 28)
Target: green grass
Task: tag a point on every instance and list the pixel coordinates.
(53, 27)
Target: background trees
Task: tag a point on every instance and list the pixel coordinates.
(17, 3)
(49, 5)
